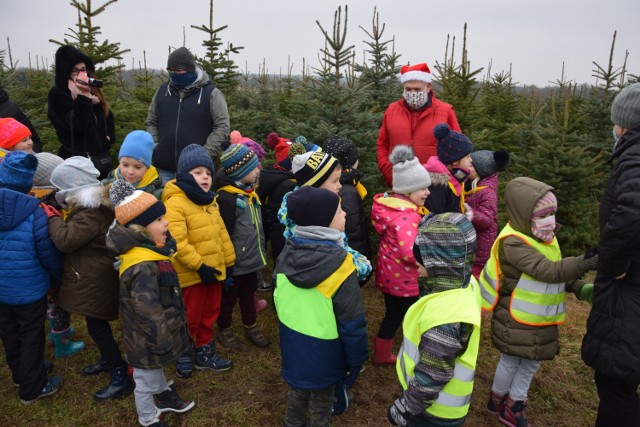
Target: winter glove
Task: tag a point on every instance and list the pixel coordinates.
(208, 274)
(468, 212)
(586, 262)
(50, 211)
(228, 282)
(586, 293)
(398, 414)
(352, 375)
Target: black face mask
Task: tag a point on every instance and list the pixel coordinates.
(460, 174)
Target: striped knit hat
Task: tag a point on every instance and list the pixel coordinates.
(445, 246)
(313, 168)
(134, 206)
(546, 204)
(238, 161)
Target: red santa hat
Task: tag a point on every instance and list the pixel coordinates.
(419, 72)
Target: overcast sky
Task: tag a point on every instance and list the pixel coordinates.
(535, 37)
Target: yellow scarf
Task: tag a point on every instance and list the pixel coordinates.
(149, 176)
(136, 255)
(235, 190)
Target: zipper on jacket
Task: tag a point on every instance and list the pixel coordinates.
(254, 216)
(175, 140)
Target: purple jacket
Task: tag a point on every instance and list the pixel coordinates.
(484, 204)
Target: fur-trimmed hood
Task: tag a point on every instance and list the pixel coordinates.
(66, 57)
(90, 197)
(438, 172)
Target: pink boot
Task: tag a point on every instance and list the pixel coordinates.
(382, 354)
(260, 304)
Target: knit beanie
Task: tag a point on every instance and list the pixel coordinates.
(625, 110)
(313, 168)
(486, 163)
(194, 156)
(312, 206)
(254, 146)
(16, 171)
(47, 162)
(75, 173)
(282, 150)
(138, 145)
(12, 132)
(451, 145)
(238, 161)
(134, 206)
(408, 175)
(274, 139)
(546, 204)
(342, 149)
(182, 58)
(445, 246)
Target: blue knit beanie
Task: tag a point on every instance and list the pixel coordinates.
(17, 170)
(451, 146)
(238, 161)
(137, 145)
(194, 156)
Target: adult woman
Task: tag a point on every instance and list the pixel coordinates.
(79, 112)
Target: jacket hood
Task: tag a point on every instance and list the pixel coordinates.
(221, 179)
(302, 269)
(91, 196)
(630, 137)
(271, 178)
(521, 195)
(350, 176)
(387, 207)
(66, 58)
(438, 172)
(15, 208)
(120, 239)
(171, 189)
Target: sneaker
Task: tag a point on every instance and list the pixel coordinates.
(169, 401)
(496, 403)
(184, 365)
(514, 414)
(228, 339)
(207, 358)
(255, 335)
(48, 367)
(53, 385)
(264, 286)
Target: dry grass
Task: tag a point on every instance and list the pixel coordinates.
(252, 393)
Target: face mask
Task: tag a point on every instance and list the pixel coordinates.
(616, 138)
(544, 228)
(460, 174)
(415, 100)
(182, 80)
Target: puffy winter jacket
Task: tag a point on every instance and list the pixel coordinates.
(200, 235)
(484, 204)
(356, 227)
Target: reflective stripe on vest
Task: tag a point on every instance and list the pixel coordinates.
(457, 305)
(533, 302)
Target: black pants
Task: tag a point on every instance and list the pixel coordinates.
(101, 333)
(243, 291)
(22, 333)
(396, 308)
(619, 403)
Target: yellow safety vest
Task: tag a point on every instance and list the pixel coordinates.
(533, 302)
(456, 305)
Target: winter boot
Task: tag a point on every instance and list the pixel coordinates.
(495, 406)
(255, 335)
(184, 365)
(260, 304)
(95, 368)
(228, 339)
(207, 358)
(169, 401)
(514, 414)
(382, 354)
(63, 346)
(119, 386)
(53, 385)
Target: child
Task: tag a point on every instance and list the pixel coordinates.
(240, 211)
(30, 263)
(352, 193)
(154, 323)
(134, 164)
(14, 136)
(321, 316)
(442, 329)
(524, 283)
(204, 252)
(449, 170)
(59, 319)
(482, 198)
(396, 217)
(89, 283)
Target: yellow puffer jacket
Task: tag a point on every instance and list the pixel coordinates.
(200, 235)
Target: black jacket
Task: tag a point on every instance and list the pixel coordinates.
(356, 227)
(612, 342)
(273, 184)
(9, 108)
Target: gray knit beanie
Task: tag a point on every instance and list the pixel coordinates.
(182, 58)
(47, 162)
(486, 162)
(408, 174)
(625, 110)
(75, 173)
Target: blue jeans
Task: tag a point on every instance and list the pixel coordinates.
(166, 175)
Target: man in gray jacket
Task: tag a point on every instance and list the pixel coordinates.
(188, 109)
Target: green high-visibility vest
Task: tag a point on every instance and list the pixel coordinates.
(456, 305)
(533, 302)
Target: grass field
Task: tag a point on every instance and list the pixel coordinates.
(252, 392)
